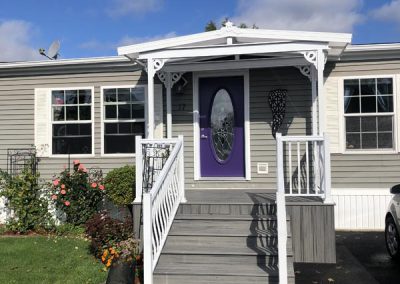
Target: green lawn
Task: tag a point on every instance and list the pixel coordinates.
(40, 259)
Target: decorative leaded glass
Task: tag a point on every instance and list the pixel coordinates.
(222, 124)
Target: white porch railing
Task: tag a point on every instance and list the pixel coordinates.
(161, 176)
(303, 169)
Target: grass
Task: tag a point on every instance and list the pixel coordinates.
(41, 259)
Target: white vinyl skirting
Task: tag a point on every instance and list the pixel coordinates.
(361, 209)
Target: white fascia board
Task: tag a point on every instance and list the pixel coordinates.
(260, 34)
(234, 65)
(94, 60)
(233, 50)
(373, 47)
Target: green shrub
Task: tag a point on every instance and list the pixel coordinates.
(76, 194)
(25, 197)
(120, 184)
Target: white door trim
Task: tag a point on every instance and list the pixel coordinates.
(196, 127)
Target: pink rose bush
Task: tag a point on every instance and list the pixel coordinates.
(77, 194)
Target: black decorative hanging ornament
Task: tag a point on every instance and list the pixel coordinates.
(277, 103)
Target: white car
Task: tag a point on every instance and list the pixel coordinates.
(392, 222)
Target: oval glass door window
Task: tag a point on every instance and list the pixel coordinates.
(222, 124)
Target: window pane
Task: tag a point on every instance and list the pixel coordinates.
(351, 88)
(58, 113)
(111, 128)
(351, 104)
(71, 97)
(385, 140)
(353, 141)
(385, 103)
(85, 129)
(368, 104)
(84, 113)
(137, 94)
(123, 95)
(125, 128)
(368, 124)
(114, 144)
(59, 130)
(138, 111)
(57, 97)
(368, 87)
(72, 113)
(385, 123)
(353, 124)
(138, 128)
(85, 96)
(72, 129)
(385, 86)
(74, 145)
(110, 95)
(111, 112)
(369, 141)
(124, 111)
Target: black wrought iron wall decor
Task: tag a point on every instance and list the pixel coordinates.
(154, 158)
(20, 159)
(277, 103)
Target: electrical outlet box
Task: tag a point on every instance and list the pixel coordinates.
(262, 168)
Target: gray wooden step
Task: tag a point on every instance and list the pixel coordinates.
(209, 216)
(219, 266)
(224, 228)
(216, 279)
(223, 245)
(230, 209)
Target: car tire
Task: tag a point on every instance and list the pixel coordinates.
(392, 239)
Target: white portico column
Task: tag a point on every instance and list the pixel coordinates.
(150, 98)
(168, 86)
(321, 96)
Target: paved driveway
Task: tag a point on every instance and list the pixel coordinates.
(361, 258)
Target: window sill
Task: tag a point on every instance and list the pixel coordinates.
(72, 156)
(118, 155)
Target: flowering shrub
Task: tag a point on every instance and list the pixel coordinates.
(25, 198)
(126, 251)
(76, 194)
(105, 232)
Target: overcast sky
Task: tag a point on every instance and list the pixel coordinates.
(88, 28)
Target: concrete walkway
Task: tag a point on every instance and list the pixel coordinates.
(361, 258)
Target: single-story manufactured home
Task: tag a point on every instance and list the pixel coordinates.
(251, 146)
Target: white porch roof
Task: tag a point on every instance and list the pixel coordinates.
(231, 40)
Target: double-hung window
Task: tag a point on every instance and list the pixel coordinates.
(369, 114)
(124, 118)
(72, 121)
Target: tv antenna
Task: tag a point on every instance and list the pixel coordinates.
(53, 50)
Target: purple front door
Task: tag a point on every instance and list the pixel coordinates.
(221, 101)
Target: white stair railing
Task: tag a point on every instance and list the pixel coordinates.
(305, 166)
(165, 191)
(308, 173)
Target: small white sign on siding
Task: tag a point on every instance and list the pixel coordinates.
(42, 122)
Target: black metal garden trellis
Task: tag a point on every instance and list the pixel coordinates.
(21, 159)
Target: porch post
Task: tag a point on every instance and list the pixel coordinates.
(321, 96)
(150, 98)
(314, 101)
(169, 105)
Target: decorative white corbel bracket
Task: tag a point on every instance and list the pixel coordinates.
(306, 71)
(175, 77)
(311, 56)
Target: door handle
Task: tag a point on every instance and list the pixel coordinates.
(203, 136)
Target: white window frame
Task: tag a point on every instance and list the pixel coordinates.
(342, 115)
(103, 120)
(51, 155)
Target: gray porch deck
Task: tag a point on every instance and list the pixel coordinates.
(244, 196)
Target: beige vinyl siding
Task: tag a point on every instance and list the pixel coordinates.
(359, 170)
(17, 112)
(262, 144)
